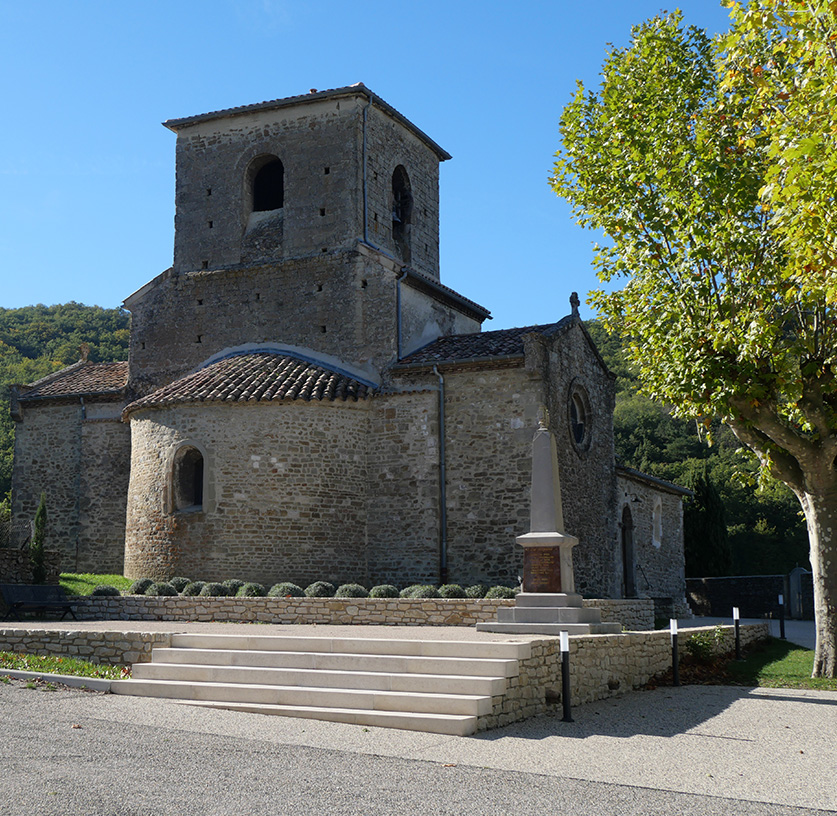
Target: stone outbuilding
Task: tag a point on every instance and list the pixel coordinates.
(304, 399)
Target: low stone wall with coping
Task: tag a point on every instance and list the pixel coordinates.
(631, 614)
(115, 648)
(600, 666)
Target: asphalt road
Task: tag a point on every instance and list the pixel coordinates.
(694, 750)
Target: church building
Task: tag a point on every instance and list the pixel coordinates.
(305, 400)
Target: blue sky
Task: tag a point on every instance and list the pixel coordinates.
(87, 170)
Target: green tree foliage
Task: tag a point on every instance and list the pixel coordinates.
(705, 537)
(36, 545)
(725, 312)
(38, 340)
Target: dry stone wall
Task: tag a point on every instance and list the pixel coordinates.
(16, 568)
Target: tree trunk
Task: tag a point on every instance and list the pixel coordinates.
(821, 516)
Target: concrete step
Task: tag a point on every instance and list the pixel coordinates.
(548, 614)
(306, 696)
(335, 661)
(547, 599)
(551, 629)
(382, 681)
(457, 725)
(365, 646)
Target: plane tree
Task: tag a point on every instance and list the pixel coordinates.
(708, 166)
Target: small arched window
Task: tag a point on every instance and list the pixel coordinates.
(187, 479)
(657, 522)
(269, 186)
(402, 211)
(580, 417)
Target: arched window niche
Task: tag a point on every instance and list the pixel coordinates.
(402, 212)
(657, 522)
(580, 417)
(268, 184)
(187, 479)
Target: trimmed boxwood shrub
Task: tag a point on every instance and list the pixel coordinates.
(452, 591)
(285, 589)
(250, 590)
(213, 590)
(178, 582)
(105, 591)
(383, 591)
(139, 586)
(476, 591)
(194, 588)
(501, 592)
(420, 591)
(351, 591)
(232, 585)
(320, 589)
(161, 588)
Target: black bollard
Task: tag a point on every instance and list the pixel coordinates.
(565, 677)
(675, 655)
(737, 633)
(782, 617)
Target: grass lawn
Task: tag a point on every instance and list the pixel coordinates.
(61, 665)
(85, 583)
(778, 664)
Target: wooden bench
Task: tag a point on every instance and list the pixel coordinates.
(25, 598)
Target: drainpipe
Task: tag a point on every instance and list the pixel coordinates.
(398, 308)
(443, 515)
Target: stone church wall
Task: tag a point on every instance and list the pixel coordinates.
(82, 467)
(284, 496)
(588, 481)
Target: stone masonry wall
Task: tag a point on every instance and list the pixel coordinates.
(588, 482)
(15, 567)
(659, 565)
(601, 666)
(633, 614)
(82, 467)
(115, 648)
(285, 496)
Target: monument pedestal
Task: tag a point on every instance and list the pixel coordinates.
(548, 562)
(549, 613)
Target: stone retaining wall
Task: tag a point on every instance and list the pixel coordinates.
(114, 648)
(15, 567)
(632, 614)
(600, 666)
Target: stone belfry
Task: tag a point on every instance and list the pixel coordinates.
(310, 221)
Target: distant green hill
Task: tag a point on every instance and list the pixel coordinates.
(37, 340)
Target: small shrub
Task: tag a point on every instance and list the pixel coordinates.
(351, 591)
(213, 590)
(179, 583)
(476, 591)
(251, 590)
(501, 592)
(161, 588)
(194, 588)
(424, 591)
(139, 587)
(320, 589)
(232, 585)
(103, 591)
(702, 646)
(452, 591)
(286, 589)
(383, 591)
(408, 591)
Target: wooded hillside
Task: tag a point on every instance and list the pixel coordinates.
(37, 340)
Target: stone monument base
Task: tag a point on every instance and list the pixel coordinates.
(542, 613)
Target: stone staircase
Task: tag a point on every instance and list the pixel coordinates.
(437, 686)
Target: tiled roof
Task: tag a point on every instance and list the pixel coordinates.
(312, 96)
(257, 377)
(81, 379)
(477, 346)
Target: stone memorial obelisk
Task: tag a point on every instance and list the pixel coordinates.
(547, 550)
(548, 604)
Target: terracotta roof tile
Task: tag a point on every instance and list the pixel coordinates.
(478, 346)
(257, 377)
(81, 379)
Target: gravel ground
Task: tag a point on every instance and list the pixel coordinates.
(693, 750)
